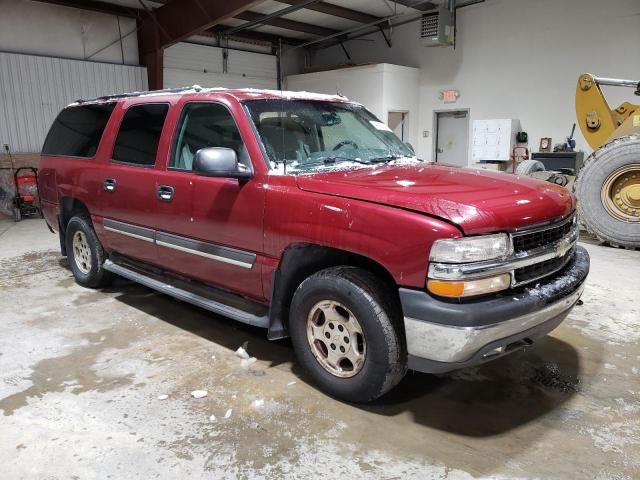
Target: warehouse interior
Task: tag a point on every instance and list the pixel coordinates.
(101, 383)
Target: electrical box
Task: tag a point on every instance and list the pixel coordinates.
(438, 29)
(494, 139)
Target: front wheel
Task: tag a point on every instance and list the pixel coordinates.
(85, 253)
(347, 333)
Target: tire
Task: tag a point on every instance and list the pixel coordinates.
(595, 216)
(361, 295)
(87, 262)
(529, 166)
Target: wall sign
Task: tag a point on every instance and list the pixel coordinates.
(449, 96)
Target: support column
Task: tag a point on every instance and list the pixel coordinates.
(154, 62)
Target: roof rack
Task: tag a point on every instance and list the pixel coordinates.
(197, 88)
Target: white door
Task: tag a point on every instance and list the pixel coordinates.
(452, 137)
(398, 122)
(190, 64)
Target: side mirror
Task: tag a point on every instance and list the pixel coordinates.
(219, 162)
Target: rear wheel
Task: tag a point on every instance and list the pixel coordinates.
(347, 333)
(85, 253)
(608, 191)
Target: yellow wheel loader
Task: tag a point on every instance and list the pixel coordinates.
(608, 185)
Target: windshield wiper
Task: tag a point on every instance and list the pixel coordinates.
(388, 158)
(329, 159)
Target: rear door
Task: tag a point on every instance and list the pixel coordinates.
(212, 228)
(129, 193)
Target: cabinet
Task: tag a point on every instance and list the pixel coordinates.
(494, 139)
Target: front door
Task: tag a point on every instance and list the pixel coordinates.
(217, 241)
(452, 137)
(128, 193)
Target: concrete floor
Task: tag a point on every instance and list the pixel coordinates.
(82, 372)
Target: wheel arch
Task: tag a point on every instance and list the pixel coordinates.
(69, 207)
(301, 260)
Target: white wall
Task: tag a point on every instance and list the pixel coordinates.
(361, 84)
(515, 59)
(401, 95)
(33, 89)
(380, 87)
(41, 29)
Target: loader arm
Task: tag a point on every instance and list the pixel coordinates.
(598, 121)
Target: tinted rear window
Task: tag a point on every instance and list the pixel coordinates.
(76, 132)
(139, 134)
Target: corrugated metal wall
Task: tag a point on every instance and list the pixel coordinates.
(190, 64)
(34, 89)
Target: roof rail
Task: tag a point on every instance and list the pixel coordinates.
(197, 88)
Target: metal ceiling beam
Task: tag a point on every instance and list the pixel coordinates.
(417, 5)
(180, 19)
(287, 24)
(402, 20)
(252, 36)
(97, 6)
(176, 21)
(343, 36)
(300, 4)
(337, 11)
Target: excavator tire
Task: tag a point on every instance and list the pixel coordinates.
(527, 167)
(608, 191)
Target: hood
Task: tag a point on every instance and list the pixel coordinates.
(478, 201)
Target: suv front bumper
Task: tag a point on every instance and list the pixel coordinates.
(444, 336)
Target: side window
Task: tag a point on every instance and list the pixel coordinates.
(205, 125)
(76, 131)
(139, 135)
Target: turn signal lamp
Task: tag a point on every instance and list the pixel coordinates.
(469, 288)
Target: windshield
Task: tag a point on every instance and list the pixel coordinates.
(305, 135)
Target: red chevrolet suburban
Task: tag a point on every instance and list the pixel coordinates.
(305, 215)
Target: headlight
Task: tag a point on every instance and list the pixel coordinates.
(470, 249)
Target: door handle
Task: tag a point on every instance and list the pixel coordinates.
(165, 193)
(109, 185)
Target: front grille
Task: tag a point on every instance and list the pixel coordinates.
(537, 238)
(542, 269)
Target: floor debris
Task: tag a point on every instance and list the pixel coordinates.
(242, 353)
(228, 413)
(163, 397)
(199, 393)
(247, 362)
(258, 403)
